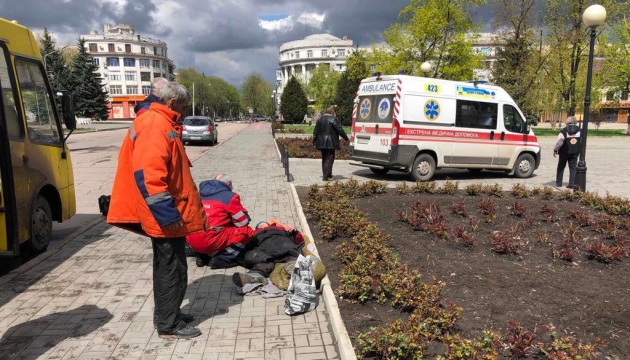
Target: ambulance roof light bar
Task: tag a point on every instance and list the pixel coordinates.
(377, 75)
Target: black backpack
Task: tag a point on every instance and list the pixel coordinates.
(571, 145)
(103, 204)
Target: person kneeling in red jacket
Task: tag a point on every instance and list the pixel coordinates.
(228, 229)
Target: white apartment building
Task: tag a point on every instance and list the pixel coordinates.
(300, 58)
(127, 63)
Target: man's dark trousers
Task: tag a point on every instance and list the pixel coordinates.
(328, 158)
(563, 159)
(170, 278)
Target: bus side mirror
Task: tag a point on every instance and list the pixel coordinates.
(67, 106)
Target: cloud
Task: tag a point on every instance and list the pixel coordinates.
(227, 38)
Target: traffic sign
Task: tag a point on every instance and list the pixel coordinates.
(251, 111)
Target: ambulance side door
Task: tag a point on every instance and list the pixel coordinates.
(477, 139)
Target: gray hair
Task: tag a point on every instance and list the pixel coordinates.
(224, 178)
(158, 84)
(173, 90)
(571, 120)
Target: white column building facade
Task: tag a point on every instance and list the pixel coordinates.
(300, 58)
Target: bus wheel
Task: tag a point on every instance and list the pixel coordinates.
(41, 226)
(379, 171)
(423, 168)
(525, 165)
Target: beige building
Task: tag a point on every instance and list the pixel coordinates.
(128, 63)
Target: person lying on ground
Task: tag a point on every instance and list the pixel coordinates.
(271, 243)
(228, 229)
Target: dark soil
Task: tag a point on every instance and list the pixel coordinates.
(584, 298)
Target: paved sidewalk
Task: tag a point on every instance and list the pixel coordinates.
(92, 298)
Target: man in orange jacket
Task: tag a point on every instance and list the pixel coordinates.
(154, 194)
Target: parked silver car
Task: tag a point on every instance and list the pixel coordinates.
(199, 128)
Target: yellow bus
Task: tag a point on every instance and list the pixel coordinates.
(36, 179)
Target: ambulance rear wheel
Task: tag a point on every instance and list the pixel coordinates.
(525, 165)
(379, 171)
(423, 168)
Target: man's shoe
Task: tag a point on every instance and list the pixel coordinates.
(240, 279)
(218, 263)
(187, 332)
(202, 260)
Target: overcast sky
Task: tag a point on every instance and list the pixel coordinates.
(226, 38)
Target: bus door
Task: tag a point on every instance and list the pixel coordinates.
(8, 235)
(373, 126)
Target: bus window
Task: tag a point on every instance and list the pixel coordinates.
(512, 119)
(15, 129)
(40, 117)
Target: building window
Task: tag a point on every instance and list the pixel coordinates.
(156, 64)
(297, 54)
(372, 67)
(93, 48)
(128, 48)
(112, 61)
(130, 75)
(610, 96)
(145, 76)
(156, 75)
(144, 63)
(130, 62)
(155, 50)
(484, 51)
(114, 77)
(132, 90)
(111, 48)
(309, 53)
(341, 52)
(324, 53)
(115, 89)
(624, 95)
(340, 67)
(146, 90)
(143, 50)
(96, 61)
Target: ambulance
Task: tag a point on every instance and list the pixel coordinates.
(417, 125)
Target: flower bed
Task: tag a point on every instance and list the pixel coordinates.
(304, 148)
(477, 273)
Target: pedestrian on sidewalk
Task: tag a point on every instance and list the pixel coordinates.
(326, 139)
(568, 147)
(154, 195)
(228, 229)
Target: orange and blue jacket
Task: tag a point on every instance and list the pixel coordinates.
(153, 187)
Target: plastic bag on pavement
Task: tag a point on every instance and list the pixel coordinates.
(302, 296)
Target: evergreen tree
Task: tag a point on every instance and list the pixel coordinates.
(356, 70)
(55, 65)
(90, 98)
(293, 103)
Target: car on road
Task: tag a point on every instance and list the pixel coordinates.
(199, 129)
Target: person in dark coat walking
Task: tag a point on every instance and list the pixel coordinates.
(568, 147)
(326, 139)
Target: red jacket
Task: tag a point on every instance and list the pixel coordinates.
(153, 187)
(227, 219)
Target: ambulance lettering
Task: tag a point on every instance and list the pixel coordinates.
(383, 87)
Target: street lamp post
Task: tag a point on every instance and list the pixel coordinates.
(593, 16)
(45, 56)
